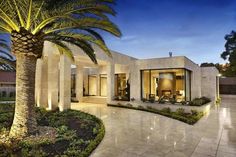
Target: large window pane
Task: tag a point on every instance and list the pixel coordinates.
(120, 85)
(180, 86)
(145, 84)
(166, 84)
(188, 85)
(155, 83)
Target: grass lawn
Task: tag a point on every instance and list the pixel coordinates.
(77, 134)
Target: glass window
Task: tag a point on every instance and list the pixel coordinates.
(166, 84)
(120, 85)
(188, 85)
(145, 84)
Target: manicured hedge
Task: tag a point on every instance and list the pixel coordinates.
(78, 134)
(189, 118)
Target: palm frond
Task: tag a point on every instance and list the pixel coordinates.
(62, 21)
(63, 48)
(81, 43)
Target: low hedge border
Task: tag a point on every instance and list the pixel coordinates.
(30, 149)
(189, 120)
(94, 143)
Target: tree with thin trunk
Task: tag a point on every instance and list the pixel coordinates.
(30, 23)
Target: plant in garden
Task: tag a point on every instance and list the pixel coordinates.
(30, 23)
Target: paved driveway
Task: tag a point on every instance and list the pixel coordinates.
(131, 133)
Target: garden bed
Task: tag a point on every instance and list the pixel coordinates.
(77, 134)
(179, 114)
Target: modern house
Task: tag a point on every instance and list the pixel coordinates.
(121, 77)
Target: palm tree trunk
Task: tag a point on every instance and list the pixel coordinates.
(24, 123)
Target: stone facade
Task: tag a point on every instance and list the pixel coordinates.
(53, 87)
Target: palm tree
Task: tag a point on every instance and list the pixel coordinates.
(30, 23)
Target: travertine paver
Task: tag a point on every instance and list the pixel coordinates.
(131, 133)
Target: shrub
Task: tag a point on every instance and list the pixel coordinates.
(172, 101)
(199, 101)
(194, 112)
(140, 107)
(161, 101)
(166, 109)
(205, 100)
(129, 105)
(180, 111)
(144, 99)
(183, 102)
(132, 99)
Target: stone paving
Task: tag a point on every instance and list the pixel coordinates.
(131, 133)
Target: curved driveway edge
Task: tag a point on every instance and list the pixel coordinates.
(131, 133)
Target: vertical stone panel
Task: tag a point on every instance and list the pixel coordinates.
(53, 76)
(38, 77)
(65, 83)
(43, 95)
(110, 81)
(79, 83)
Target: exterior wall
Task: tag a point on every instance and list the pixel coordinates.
(201, 83)
(195, 78)
(209, 82)
(165, 63)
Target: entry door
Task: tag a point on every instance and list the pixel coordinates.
(103, 84)
(92, 85)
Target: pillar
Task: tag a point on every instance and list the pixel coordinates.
(98, 84)
(79, 83)
(42, 77)
(38, 77)
(65, 83)
(110, 82)
(53, 79)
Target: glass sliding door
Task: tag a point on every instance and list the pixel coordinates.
(121, 87)
(180, 86)
(145, 84)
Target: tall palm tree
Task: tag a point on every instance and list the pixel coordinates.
(30, 23)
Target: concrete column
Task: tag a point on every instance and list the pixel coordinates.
(65, 83)
(79, 83)
(135, 86)
(98, 84)
(38, 78)
(53, 79)
(110, 82)
(43, 75)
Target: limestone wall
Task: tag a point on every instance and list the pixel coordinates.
(209, 82)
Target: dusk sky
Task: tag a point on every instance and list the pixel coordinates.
(193, 28)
